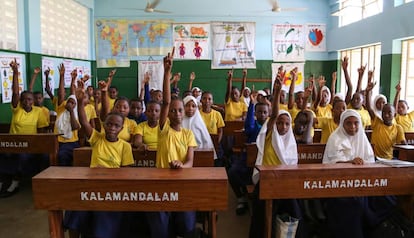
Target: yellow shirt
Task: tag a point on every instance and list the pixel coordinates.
(384, 137)
(324, 111)
(109, 154)
(45, 110)
(365, 117)
(90, 112)
(127, 131)
(213, 121)
(23, 122)
(406, 121)
(59, 110)
(149, 135)
(111, 103)
(284, 107)
(173, 145)
(269, 154)
(234, 110)
(328, 126)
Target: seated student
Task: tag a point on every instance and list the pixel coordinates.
(347, 144)
(404, 118)
(108, 151)
(67, 124)
(385, 133)
(175, 150)
(379, 101)
(38, 96)
(276, 145)
(235, 109)
(246, 92)
(112, 93)
(146, 133)
(136, 111)
(195, 91)
(322, 106)
(328, 125)
(26, 119)
(239, 174)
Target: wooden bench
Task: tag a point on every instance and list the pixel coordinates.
(338, 180)
(317, 134)
(202, 157)
(231, 126)
(405, 152)
(129, 189)
(41, 143)
(409, 137)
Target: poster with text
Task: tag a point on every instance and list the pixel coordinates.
(315, 37)
(300, 81)
(7, 76)
(191, 40)
(233, 45)
(54, 73)
(156, 71)
(288, 42)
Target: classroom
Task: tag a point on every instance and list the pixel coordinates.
(364, 47)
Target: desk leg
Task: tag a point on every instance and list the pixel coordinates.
(213, 224)
(406, 203)
(55, 224)
(268, 218)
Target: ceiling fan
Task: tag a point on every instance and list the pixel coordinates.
(276, 7)
(150, 8)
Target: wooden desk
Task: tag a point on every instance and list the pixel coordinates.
(202, 157)
(338, 180)
(41, 143)
(317, 134)
(129, 189)
(231, 126)
(405, 152)
(409, 136)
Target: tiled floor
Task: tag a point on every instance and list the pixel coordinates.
(19, 219)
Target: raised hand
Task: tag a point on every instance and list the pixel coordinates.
(37, 70)
(103, 86)
(344, 62)
(74, 74)
(14, 65)
(192, 76)
(147, 78)
(112, 73)
(61, 69)
(361, 70)
(321, 81)
(47, 72)
(398, 86)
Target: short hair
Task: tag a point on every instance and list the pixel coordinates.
(37, 93)
(403, 101)
(121, 98)
(115, 114)
(25, 92)
(114, 87)
(150, 102)
(337, 101)
(260, 104)
(206, 92)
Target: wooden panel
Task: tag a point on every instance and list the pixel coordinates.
(405, 152)
(310, 153)
(231, 126)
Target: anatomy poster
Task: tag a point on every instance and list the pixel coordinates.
(233, 45)
(48, 63)
(300, 81)
(156, 71)
(191, 41)
(315, 37)
(288, 42)
(7, 76)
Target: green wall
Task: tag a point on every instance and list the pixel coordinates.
(389, 76)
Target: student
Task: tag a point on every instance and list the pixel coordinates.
(112, 92)
(97, 104)
(404, 118)
(239, 174)
(67, 124)
(136, 111)
(108, 151)
(385, 133)
(276, 145)
(379, 101)
(195, 91)
(26, 119)
(175, 150)
(38, 96)
(347, 144)
(328, 125)
(245, 94)
(235, 109)
(322, 107)
(146, 133)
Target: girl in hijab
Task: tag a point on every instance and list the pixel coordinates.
(379, 101)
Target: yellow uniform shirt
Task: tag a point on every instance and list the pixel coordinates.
(109, 154)
(127, 131)
(23, 122)
(234, 110)
(173, 145)
(111, 103)
(90, 112)
(59, 110)
(149, 135)
(45, 110)
(406, 121)
(284, 107)
(324, 111)
(213, 121)
(384, 137)
(328, 126)
(365, 117)
(269, 154)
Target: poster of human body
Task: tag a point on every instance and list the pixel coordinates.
(316, 37)
(300, 80)
(191, 40)
(48, 64)
(155, 70)
(7, 76)
(288, 42)
(233, 45)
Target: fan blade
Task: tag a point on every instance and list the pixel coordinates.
(274, 4)
(153, 4)
(160, 11)
(293, 9)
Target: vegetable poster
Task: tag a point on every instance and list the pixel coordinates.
(315, 37)
(300, 81)
(7, 75)
(288, 42)
(191, 40)
(233, 45)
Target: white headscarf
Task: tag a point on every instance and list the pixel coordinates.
(63, 124)
(325, 88)
(284, 145)
(342, 147)
(246, 99)
(197, 125)
(378, 112)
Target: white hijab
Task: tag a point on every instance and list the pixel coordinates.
(284, 145)
(63, 124)
(197, 125)
(378, 112)
(342, 147)
(325, 88)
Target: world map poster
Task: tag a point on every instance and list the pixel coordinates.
(149, 38)
(111, 43)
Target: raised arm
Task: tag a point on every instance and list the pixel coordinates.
(80, 96)
(104, 86)
(36, 71)
(61, 89)
(333, 86)
(229, 84)
(277, 87)
(361, 71)
(397, 94)
(192, 78)
(15, 83)
(48, 89)
(166, 89)
(344, 64)
(143, 91)
(244, 80)
(368, 90)
(291, 100)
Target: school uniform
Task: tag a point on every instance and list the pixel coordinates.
(149, 134)
(234, 110)
(384, 137)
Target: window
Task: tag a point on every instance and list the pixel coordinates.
(65, 29)
(8, 23)
(407, 71)
(355, 10)
(369, 56)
